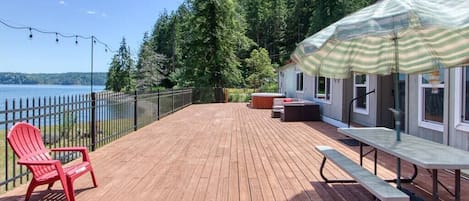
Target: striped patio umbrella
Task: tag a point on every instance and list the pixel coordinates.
(390, 36)
(405, 36)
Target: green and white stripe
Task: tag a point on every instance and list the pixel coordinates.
(422, 46)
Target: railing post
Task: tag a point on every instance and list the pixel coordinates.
(158, 105)
(93, 121)
(135, 111)
(191, 95)
(6, 145)
(172, 100)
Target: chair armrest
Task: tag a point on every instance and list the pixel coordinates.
(70, 149)
(55, 163)
(45, 162)
(83, 150)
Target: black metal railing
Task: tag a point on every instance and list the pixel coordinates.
(89, 120)
(350, 105)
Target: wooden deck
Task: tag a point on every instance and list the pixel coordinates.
(226, 152)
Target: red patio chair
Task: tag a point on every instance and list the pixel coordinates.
(26, 141)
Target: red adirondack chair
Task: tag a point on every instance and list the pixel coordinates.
(26, 141)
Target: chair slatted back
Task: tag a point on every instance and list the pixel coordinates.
(26, 141)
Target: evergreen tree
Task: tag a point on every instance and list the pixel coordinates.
(262, 71)
(298, 22)
(150, 67)
(278, 26)
(121, 71)
(267, 24)
(180, 74)
(211, 60)
(327, 12)
(206, 43)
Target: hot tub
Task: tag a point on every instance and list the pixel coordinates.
(264, 100)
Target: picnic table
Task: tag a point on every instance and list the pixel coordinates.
(424, 153)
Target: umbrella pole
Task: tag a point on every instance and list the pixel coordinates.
(397, 116)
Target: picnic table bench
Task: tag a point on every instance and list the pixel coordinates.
(376, 186)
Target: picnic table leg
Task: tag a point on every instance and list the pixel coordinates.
(376, 162)
(435, 184)
(361, 153)
(457, 186)
(398, 172)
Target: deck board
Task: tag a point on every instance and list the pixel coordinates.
(227, 152)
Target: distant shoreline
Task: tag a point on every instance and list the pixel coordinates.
(53, 84)
(68, 79)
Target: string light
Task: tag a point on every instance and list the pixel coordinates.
(57, 34)
(30, 33)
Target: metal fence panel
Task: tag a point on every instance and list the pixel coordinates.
(89, 120)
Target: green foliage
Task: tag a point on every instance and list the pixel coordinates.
(261, 69)
(212, 60)
(267, 25)
(150, 67)
(298, 23)
(239, 95)
(270, 87)
(121, 72)
(206, 43)
(327, 12)
(53, 78)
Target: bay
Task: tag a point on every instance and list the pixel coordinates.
(10, 92)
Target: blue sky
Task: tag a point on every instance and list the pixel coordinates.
(108, 20)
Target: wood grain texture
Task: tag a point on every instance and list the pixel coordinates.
(227, 152)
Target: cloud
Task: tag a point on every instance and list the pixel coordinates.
(91, 12)
(62, 2)
(103, 14)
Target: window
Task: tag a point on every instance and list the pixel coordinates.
(360, 87)
(461, 101)
(299, 81)
(323, 89)
(465, 113)
(431, 99)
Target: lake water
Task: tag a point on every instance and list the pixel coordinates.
(10, 92)
(23, 92)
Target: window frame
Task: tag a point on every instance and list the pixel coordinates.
(356, 109)
(327, 90)
(433, 125)
(460, 89)
(464, 84)
(298, 81)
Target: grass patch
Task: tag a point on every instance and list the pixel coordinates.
(240, 95)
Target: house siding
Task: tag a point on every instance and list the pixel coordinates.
(370, 118)
(453, 135)
(458, 133)
(414, 127)
(289, 80)
(333, 108)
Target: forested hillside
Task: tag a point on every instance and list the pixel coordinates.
(216, 43)
(53, 78)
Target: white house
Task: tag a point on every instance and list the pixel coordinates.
(436, 111)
